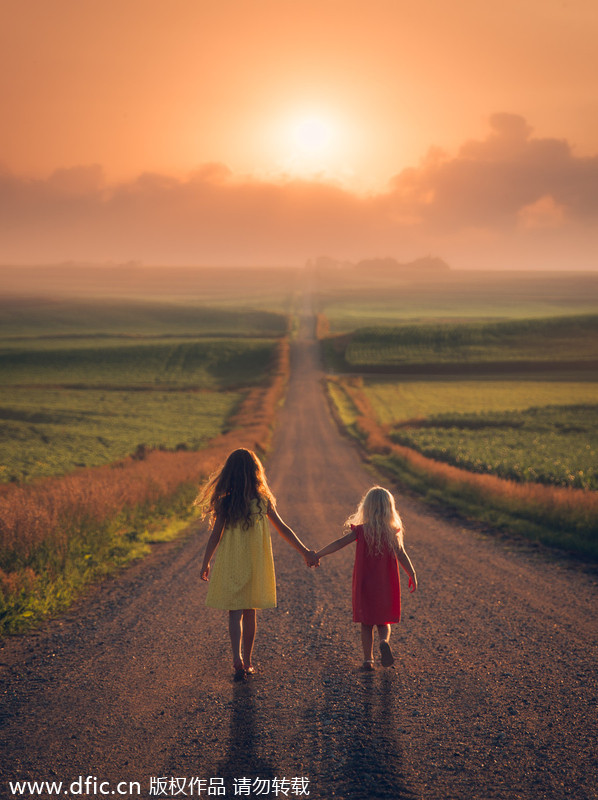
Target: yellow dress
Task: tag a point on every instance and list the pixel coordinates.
(243, 572)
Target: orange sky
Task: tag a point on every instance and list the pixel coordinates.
(354, 127)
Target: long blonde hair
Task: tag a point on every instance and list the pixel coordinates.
(382, 525)
(230, 490)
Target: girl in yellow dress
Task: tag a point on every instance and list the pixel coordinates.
(239, 503)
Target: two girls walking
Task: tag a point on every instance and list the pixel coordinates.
(239, 503)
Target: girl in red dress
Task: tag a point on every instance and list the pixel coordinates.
(377, 528)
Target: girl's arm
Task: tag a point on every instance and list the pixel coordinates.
(211, 546)
(291, 537)
(337, 544)
(405, 562)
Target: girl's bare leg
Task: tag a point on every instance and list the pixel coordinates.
(367, 641)
(384, 633)
(249, 630)
(235, 629)
(385, 651)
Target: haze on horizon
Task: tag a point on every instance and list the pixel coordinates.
(268, 132)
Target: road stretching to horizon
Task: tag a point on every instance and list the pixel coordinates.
(494, 692)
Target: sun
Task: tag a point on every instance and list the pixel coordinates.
(312, 135)
(311, 143)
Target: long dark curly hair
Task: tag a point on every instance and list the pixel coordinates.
(229, 491)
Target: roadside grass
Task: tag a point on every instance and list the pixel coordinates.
(565, 518)
(46, 580)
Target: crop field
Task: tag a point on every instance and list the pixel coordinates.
(86, 382)
(560, 339)
(551, 445)
(518, 429)
(61, 409)
(531, 430)
(396, 401)
(58, 430)
(48, 319)
(205, 364)
(351, 301)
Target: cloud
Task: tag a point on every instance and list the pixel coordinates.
(76, 181)
(489, 183)
(507, 196)
(544, 213)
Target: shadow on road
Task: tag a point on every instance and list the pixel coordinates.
(243, 757)
(373, 762)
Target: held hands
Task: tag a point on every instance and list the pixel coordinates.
(312, 559)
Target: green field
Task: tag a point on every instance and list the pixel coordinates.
(206, 364)
(520, 429)
(550, 445)
(561, 339)
(85, 382)
(55, 431)
(81, 319)
(352, 301)
(396, 400)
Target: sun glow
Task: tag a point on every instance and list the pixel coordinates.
(313, 143)
(313, 134)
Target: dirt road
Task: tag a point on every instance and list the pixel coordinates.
(494, 693)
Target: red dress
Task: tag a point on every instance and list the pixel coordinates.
(376, 585)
